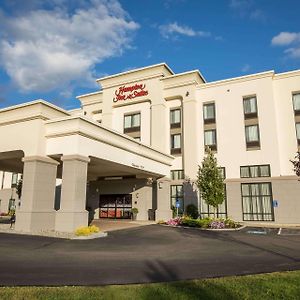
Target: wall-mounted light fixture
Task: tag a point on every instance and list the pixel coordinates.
(160, 185)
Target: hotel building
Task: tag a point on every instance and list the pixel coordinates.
(138, 141)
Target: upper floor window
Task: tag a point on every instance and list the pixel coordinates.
(175, 143)
(255, 171)
(210, 139)
(252, 136)
(250, 107)
(298, 132)
(175, 118)
(222, 172)
(296, 103)
(14, 179)
(132, 122)
(209, 113)
(177, 174)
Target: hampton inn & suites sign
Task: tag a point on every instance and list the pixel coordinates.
(130, 92)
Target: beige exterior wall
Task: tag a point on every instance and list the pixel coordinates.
(56, 133)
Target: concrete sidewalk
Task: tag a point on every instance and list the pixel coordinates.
(117, 224)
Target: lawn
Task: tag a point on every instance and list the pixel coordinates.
(285, 285)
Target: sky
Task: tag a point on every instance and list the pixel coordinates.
(56, 49)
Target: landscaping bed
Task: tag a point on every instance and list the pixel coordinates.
(205, 223)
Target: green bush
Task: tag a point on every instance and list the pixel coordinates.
(192, 211)
(204, 223)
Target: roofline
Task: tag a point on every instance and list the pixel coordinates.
(89, 94)
(185, 73)
(217, 82)
(136, 70)
(287, 74)
(30, 103)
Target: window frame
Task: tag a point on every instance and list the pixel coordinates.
(252, 214)
(177, 197)
(259, 171)
(132, 128)
(296, 111)
(209, 120)
(177, 124)
(297, 133)
(251, 115)
(173, 149)
(179, 171)
(251, 144)
(213, 147)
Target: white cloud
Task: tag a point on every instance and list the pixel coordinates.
(291, 39)
(285, 38)
(173, 29)
(247, 9)
(46, 49)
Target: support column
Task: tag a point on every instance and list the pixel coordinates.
(72, 213)
(163, 210)
(37, 206)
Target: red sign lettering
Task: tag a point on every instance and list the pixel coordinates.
(130, 92)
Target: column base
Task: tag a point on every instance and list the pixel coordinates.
(163, 215)
(35, 221)
(69, 221)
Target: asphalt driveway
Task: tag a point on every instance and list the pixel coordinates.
(143, 254)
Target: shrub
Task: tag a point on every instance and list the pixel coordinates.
(134, 210)
(192, 211)
(188, 221)
(87, 230)
(174, 222)
(204, 223)
(231, 224)
(217, 224)
(161, 222)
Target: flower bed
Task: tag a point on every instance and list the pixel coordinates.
(208, 223)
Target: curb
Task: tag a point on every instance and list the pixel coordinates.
(90, 237)
(205, 229)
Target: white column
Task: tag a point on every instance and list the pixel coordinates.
(37, 204)
(72, 213)
(163, 210)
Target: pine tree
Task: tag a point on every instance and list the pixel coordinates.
(296, 164)
(210, 182)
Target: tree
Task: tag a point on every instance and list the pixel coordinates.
(296, 164)
(210, 182)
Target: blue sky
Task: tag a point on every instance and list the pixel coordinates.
(55, 49)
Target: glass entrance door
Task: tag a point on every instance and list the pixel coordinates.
(115, 206)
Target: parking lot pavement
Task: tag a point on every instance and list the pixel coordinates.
(151, 253)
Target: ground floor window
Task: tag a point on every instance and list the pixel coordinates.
(177, 199)
(115, 206)
(257, 202)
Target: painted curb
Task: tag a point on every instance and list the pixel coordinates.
(90, 237)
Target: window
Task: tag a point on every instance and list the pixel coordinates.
(209, 113)
(177, 174)
(257, 202)
(210, 139)
(175, 118)
(14, 179)
(250, 107)
(95, 112)
(255, 171)
(132, 123)
(222, 172)
(296, 103)
(177, 197)
(298, 132)
(252, 136)
(175, 143)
